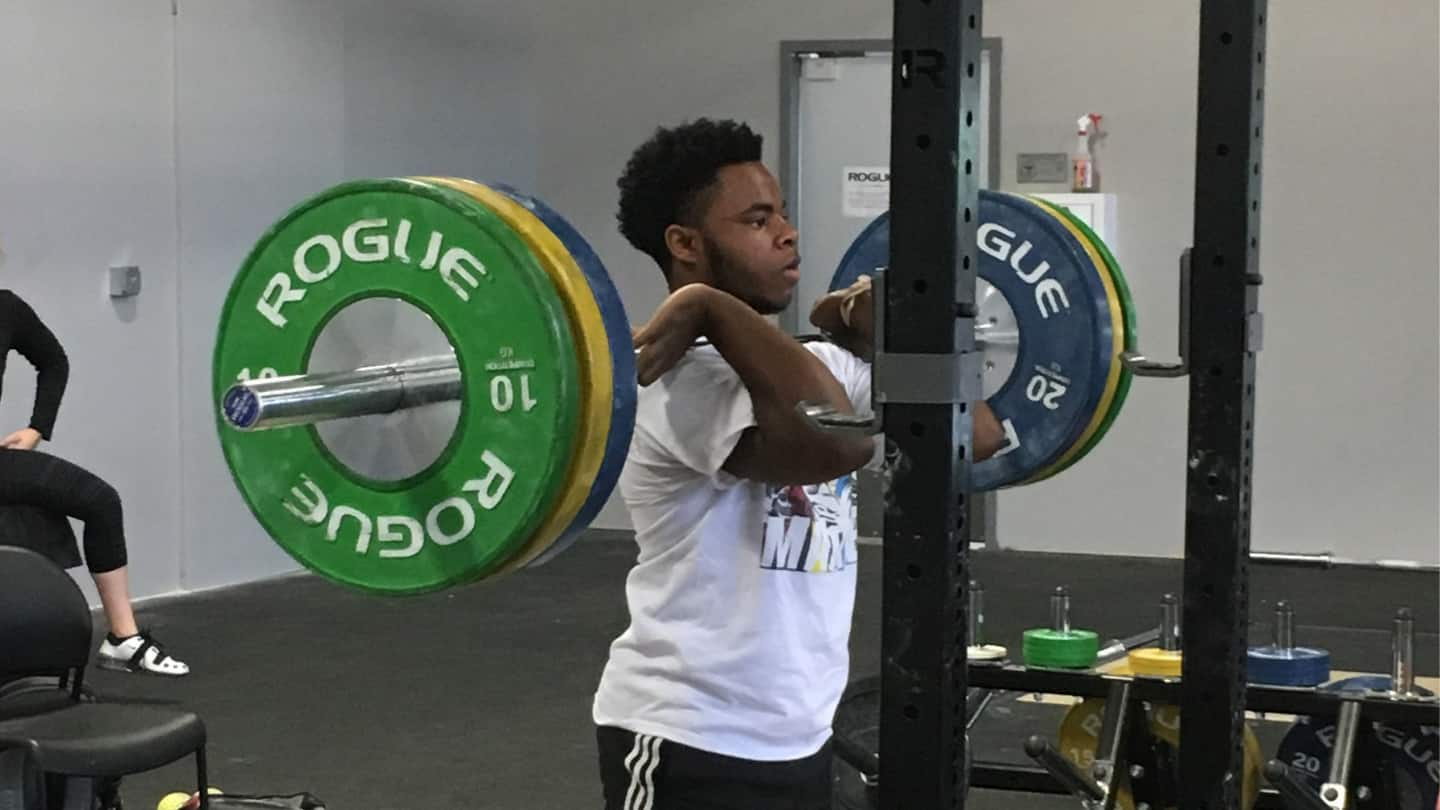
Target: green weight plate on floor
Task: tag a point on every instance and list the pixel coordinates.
(1129, 338)
(1076, 649)
(477, 502)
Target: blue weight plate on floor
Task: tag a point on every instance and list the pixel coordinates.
(1058, 302)
(1297, 666)
(1398, 765)
(622, 350)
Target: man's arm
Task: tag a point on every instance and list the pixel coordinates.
(779, 373)
(848, 317)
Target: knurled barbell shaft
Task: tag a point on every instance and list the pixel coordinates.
(310, 398)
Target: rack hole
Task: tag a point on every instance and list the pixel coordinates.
(922, 141)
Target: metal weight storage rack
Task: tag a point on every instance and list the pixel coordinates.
(926, 372)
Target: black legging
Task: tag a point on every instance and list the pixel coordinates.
(35, 478)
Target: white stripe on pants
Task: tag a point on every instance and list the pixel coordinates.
(640, 764)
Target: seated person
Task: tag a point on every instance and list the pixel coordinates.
(35, 478)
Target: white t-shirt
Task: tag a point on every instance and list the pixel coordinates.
(742, 594)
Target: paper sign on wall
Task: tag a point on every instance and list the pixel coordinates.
(866, 191)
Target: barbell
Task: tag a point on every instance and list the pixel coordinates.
(422, 382)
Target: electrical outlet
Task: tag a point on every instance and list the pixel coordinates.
(124, 281)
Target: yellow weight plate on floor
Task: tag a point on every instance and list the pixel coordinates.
(1080, 736)
(1117, 321)
(1155, 662)
(593, 352)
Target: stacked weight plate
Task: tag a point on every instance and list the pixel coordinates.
(1053, 319)
(439, 274)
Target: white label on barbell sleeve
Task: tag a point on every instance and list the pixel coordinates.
(389, 534)
(279, 286)
(488, 491)
(467, 521)
(362, 537)
(313, 508)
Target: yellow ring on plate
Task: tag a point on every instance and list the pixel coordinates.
(1117, 338)
(597, 373)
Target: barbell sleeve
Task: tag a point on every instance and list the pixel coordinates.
(304, 399)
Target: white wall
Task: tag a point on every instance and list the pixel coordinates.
(1346, 445)
(133, 136)
(87, 179)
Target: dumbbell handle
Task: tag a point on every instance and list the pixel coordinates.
(304, 399)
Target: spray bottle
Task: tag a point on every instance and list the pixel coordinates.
(1083, 175)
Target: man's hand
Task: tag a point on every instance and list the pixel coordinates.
(672, 331)
(848, 317)
(23, 439)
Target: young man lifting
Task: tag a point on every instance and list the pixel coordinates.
(721, 692)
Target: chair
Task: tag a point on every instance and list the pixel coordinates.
(45, 631)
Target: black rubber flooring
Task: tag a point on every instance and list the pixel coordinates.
(480, 697)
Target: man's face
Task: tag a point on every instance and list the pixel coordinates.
(748, 245)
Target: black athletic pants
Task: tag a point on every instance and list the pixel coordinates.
(34, 478)
(640, 772)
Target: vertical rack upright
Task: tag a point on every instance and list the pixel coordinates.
(934, 209)
(1223, 340)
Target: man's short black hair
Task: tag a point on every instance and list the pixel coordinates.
(665, 179)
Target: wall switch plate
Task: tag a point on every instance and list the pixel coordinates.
(1042, 167)
(124, 281)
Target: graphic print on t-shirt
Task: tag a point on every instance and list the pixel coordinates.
(810, 529)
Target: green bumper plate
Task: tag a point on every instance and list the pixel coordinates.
(479, 502)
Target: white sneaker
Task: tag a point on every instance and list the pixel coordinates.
(139, 653)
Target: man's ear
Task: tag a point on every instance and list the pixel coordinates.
(683, 244)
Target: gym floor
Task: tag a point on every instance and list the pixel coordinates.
(480, 697)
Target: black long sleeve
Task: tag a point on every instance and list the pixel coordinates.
(22, 330)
